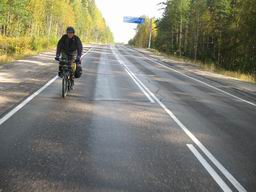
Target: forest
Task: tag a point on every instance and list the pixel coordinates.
(222, 32)
(37, 24)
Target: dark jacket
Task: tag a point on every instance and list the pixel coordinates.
(69, 46)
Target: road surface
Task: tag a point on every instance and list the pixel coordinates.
(132, 124)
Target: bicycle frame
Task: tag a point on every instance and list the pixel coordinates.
(67, 80)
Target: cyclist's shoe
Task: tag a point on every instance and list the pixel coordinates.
(60, 74)
(57, 58)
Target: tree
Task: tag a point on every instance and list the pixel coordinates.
(49, 18)
(141, 38)
(218, 31)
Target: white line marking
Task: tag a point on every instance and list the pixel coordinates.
(225, 172)
(211, 86)
(88, 51)
(26, 101)
(31, 97)
(210, 170)
(145, 93)
(134, 78)
(197, 80)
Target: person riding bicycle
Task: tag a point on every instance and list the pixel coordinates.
(70, 48)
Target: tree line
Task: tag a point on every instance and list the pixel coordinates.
(36, 21)
(218, 31)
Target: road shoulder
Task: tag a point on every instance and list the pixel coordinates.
(226, 81)
(21, 78)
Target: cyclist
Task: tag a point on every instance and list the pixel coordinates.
(70, 48)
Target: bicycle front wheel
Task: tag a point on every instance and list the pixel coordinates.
(64, 86)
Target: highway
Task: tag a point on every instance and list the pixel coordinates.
(132, 123)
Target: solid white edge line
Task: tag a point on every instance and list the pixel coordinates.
(26, 101)
(224, 171)
(139, 81)
(208, 85)
(199, 81)
(209, 169)
(31, 97)
(132, 77)
(145, 93)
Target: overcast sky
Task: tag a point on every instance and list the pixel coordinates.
(114, 10)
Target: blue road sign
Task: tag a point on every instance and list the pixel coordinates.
(138, 20)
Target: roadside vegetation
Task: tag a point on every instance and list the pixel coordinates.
(31, 26)
(219, 34)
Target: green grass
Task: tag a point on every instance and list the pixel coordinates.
(13, 48)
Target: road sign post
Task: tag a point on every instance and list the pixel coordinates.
(140, 20)
(150, 34)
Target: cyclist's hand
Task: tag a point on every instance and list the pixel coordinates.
(57, 58)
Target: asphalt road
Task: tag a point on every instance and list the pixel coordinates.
(131, 124)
